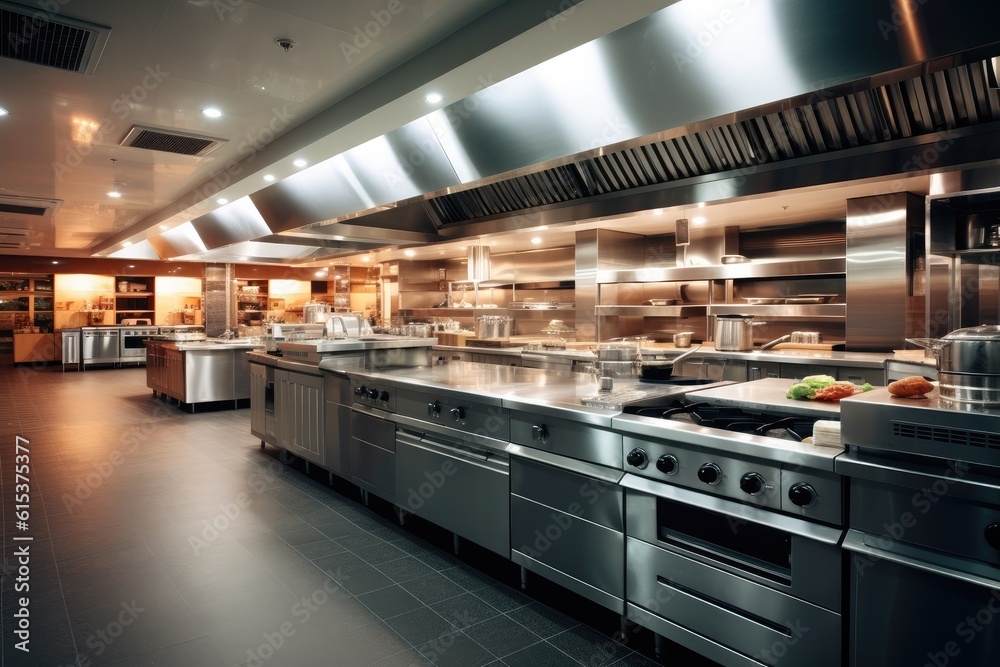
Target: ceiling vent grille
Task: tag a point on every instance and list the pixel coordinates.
(15, 232)
(42, 38)
(29, 205)
(170, 141)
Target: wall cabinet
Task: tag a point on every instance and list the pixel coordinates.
(134, 298)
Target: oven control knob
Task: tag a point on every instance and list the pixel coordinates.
(540, 432)
(802, 494)
(667, 464)
(384, 397)
(752, 483)
(458, 414)
(373, 394)
(434, 409)
(992, 535)
(637, 459)
(710, 474)
(360, 391)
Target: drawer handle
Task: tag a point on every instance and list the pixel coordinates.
(992, 535)
(539, 432)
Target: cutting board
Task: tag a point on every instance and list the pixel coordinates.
(765, 395)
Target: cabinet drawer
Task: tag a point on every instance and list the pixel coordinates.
(569, 438)
(586, 497)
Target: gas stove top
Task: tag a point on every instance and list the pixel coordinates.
(632, 394)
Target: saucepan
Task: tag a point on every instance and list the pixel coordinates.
(968, 363)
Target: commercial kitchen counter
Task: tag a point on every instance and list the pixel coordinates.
(199, 371)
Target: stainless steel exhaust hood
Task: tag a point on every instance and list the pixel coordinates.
(699, 98)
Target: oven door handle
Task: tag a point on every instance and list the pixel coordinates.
(856, 543)
(961, 481)
(457, 451)
(788, 524)
(602, 473)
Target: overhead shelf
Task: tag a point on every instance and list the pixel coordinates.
(786, 311)
(654, 311)
(445, 312)
(749, 270)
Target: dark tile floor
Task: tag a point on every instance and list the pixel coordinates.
(166, 538)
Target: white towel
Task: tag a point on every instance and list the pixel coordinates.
(826, 433)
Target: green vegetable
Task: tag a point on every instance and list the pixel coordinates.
(818, 381)
(866, 387)
(800, 391)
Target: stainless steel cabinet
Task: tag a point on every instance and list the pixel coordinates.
(70, 349)
(299, 414)
(262, 403)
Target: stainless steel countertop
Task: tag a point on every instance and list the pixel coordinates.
(214, 345)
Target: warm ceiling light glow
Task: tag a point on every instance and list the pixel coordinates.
(410, 253)
(126, 244)
(131, 266)
(536, 240)
(221, 201)
(366, 258)
(433, 98)
(319, 274)
(164, 227)
(699, 220)
(299, 163)
(83, 131)
(543, 228)
(55, 261)
(701, 204)
(658, 211)
(3, 112)
(211, 112)
(115, 194)
(268, 177)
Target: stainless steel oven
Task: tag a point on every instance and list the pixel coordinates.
(733, 543)
(132, 343)
(924, 538)
(99, 345)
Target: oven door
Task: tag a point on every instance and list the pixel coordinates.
(133, 347)
(740, 585)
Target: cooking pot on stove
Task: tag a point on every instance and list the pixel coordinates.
(968, 363)
(734, 333)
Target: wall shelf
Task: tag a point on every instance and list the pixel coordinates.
(786, 311)
(693, 310)
(749, 270)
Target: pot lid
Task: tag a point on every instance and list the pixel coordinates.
(982, 332)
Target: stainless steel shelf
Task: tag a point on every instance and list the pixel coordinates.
(654, 311)
(786, 311)
(445, 312)
(753, 269)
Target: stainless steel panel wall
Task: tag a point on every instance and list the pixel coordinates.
(879, 260)
(586, 285)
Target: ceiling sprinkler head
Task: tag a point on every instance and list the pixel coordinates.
(285, 43)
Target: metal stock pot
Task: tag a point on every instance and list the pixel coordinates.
(968, 362)
(734, 333)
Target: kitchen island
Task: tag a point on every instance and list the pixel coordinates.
(197, 372)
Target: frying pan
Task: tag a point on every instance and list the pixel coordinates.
(662, 369)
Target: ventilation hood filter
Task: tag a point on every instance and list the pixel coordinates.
(52, 40)
(170, 141)
(479, 263)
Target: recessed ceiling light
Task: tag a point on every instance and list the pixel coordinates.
(131, 266)
(299, 163)
(115, 194)
(433, 98)
(366, 258)
(55, 262)
(211, 112)
(699, 220)
(3, 112)
(221, 201)
(410, 253)
(268, 177)
(126, 244)
(536, 240)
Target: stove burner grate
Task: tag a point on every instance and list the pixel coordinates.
(737, 420)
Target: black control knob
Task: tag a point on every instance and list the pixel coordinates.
(710, 474)
(637, 458)
(384, 396)
(802, 494)
(360, 391)
(667, 464)
(992, 535)
(458, 414)
(373, 394)
(752, 483)
(539, 432)
(434, 409)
